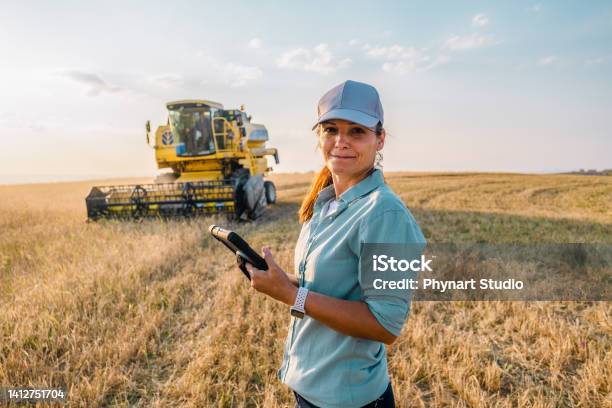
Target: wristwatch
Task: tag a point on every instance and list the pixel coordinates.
(297, 309)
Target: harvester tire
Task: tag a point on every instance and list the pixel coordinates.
(254, 197)
(270, 189)
(260, 207)
(240, 178)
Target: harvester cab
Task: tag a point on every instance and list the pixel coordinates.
(217, 159)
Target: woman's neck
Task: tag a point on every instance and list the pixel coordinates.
(343, 182)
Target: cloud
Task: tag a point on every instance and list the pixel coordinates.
(470, 42)
(168, 81)
(403, 60)
(318, 59)
(480, 20)
(548, 60)
(391, 52)
(255, 43)
(91, 81)
(240, 75)
(413, 65)
(226, 72)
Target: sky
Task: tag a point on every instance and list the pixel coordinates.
(518, 86)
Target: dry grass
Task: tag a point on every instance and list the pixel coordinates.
(155, 314)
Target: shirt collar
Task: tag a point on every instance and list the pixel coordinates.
(368, 184)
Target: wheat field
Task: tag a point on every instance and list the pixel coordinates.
(156, 314)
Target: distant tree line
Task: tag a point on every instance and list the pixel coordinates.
(592, 172)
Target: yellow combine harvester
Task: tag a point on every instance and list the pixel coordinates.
(218, 161)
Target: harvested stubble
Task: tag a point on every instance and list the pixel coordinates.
(154, 313)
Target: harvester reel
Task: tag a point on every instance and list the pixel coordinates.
(138, 198)
(189, 195)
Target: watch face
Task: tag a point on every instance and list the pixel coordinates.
(297, 313)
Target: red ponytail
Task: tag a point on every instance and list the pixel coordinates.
(322, 180)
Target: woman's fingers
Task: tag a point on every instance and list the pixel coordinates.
(268, 257)
(252, 270)
(265, 251)
(249, 270)
(273, 282)
(255, 276)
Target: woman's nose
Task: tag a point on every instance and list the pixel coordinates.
(341, 139)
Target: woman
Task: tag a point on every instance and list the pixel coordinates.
(334, 352)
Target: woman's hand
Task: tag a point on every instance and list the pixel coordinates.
(274, 282)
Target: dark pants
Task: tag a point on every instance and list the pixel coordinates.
(386, 400)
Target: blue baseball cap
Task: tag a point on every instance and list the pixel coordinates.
(353, 101)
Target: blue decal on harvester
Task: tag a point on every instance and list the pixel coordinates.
(167, 138)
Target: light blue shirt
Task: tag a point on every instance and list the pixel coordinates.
(328, 368)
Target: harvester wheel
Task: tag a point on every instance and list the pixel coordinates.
(254, 197)
(270, 189)
(259, 208)
(240, 178)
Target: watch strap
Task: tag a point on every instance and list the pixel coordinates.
(300, 301)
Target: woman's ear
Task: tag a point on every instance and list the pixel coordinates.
(318, 136)
(381, 140)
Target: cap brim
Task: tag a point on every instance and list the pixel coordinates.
(350, 115)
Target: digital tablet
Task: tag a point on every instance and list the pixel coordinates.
(244, 252)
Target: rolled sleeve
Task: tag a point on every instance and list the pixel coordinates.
(391, 314)
(394, 233)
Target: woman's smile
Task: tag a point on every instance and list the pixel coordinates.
(341, 157)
